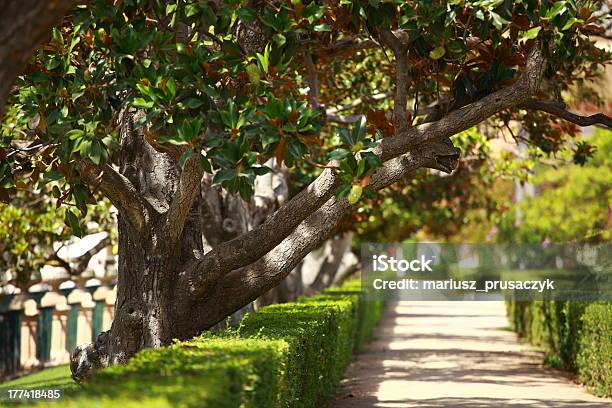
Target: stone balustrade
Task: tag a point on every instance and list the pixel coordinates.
(41, 328)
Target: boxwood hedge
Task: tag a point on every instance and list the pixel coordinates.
(575, 335)
(285, 355)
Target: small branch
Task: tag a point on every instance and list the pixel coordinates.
(83, 260)
(400, 117)
(343, 120)
(346, 45)
(559, 109)
(359, 101)
(313, 83)
(186, 193)
(78, 265)
(119, 190)
(213, 37)
(319, 165)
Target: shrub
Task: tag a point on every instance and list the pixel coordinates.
(575, 335)
(594, 357)
(285, 355)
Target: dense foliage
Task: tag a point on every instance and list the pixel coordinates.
(572, 202)
(204, 86)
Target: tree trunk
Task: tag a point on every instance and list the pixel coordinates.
(150, 310)
(330, 266)
(292, 286)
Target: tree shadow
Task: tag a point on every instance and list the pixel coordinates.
(506, 376)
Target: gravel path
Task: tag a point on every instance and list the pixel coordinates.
(455, 354)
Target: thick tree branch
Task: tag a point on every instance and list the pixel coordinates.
(470, 115)
(559, 109)
(24, 25)
(119, 190)
(329, 268)
(184, 197)
(254, 244)
(244, 285)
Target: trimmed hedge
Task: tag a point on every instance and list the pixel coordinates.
(285, 355)
(575, 335)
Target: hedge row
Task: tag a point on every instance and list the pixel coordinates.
(576, 336)
(285, 355)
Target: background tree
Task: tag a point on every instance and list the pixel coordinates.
(571, 204)
(233, 137)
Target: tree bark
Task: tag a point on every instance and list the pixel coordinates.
(150, 256)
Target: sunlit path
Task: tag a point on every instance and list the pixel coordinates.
(454, 354)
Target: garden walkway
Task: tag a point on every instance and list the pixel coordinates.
(454, 354)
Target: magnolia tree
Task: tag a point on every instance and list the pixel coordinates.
(233, 137)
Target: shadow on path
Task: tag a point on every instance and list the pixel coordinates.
(454, 354)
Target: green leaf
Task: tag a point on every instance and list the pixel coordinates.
(361, 167)
(498, 21)
(338, 154)
(531, 34)
(570, 23)
(355, 194)
(193, 103)
(253, 74)
(72, 221)
(191, 10)
(81, 196)
(261, 170)
(171, 87)
(224, 175)
(75, 134)
(184, 157)
(558, 8)
(264, 60)
(170, 8)
(95, 152)
(322, 27)
(54, 175)
(247, 14)
(358, 131)
(141, 103)
(343, 190)
(437, 53)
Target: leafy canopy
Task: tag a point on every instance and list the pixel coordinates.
(227, 81)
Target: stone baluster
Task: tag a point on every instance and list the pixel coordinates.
(29, 333)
